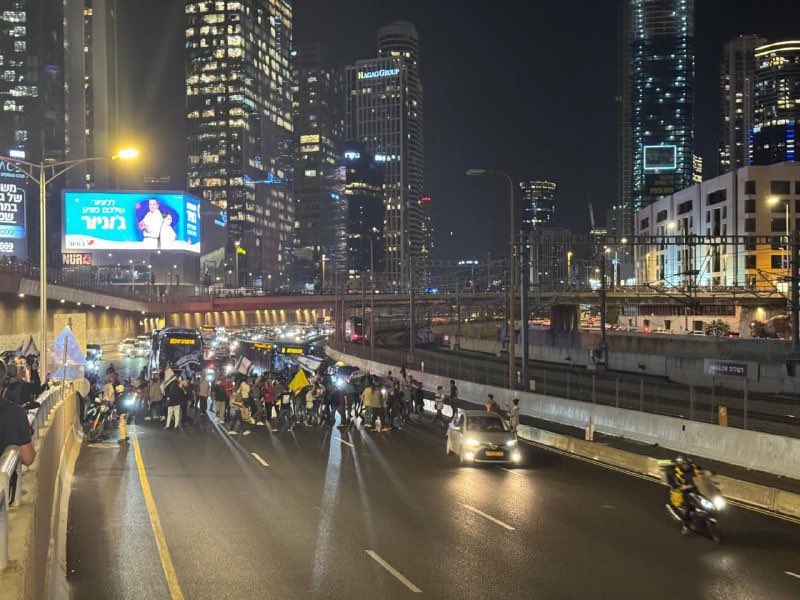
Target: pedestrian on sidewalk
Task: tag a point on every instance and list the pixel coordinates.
(453, 398)
(419, 400)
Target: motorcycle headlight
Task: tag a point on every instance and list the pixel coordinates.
(473, 443)
(719, 502)
(707, 504)
(510, 443)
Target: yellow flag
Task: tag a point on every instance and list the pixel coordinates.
(299, 382)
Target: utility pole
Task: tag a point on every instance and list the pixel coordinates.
(411, 332)
(602, 348)
(795, 295)
(523, 293)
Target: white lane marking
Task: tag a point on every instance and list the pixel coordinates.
(341, 440)
(394, 572)
(490, 517)
(652, 479)
(259, 459)
(513, 472)
(790, 574)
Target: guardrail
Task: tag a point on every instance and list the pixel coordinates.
(47, 401)
(8, 466)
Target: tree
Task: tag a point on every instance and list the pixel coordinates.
(718, 327)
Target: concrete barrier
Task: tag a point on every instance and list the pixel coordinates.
(37, 568)
(760, 451)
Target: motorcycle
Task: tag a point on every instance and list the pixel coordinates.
(704, 504)
(100, 416)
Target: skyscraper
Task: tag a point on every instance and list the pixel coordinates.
(776, 103)
(363, 196)
(737, 77)
(539, 204)
(318, 170)
(238, 83)
(384, 110)
(32, 98)
(657, 98)
(91, 89)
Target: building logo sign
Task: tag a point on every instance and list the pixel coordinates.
(378, 74)
(76, 259)
(352, 155)
(663, 157)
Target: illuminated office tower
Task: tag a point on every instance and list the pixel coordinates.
(776, 103)
(737, 77)
(318, 106)
(384, 110)
(539, 204)
(657, 110)
(32, 102)
(238, 87)
(90, 56)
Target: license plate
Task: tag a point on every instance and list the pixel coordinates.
(489, 453)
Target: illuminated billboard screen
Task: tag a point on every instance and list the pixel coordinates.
(131, 221)
(12, 212)
(660, 158)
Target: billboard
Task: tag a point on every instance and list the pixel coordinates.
(659, 184)
(131, 221)
(660, 158)
(12, 212)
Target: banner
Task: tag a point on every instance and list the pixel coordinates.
(12, 212)
(131, 221)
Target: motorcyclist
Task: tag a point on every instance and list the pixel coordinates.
(681, 482)
(112, 393)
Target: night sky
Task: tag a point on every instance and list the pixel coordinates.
(522, 86)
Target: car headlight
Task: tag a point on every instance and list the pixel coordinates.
(473, 443)
(719, 502)
(510, 443)
(707, 504)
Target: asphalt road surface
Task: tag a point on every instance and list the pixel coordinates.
(321, 513)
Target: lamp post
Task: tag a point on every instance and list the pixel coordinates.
(371, 298)
(512, 378)
(569, 269)
(38, 174)
(238, 244)
(774, 201)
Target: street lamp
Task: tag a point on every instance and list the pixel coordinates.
(569, 269)
(774, 201)
(512, 378)
(238, 244)
(38, 174)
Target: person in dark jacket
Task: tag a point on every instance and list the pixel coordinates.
(177, 396)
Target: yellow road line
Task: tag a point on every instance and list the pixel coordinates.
(155, 522)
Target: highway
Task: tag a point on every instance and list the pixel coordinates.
(321, 513)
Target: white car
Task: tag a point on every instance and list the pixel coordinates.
(128, 346)
(477, 436)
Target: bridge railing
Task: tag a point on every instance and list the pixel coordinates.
(9, 462)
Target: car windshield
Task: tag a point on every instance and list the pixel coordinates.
(129, 341)
(486, 424)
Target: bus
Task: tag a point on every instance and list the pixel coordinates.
(175, 346)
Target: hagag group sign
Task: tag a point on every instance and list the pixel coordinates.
(12, 212)
(131, 221)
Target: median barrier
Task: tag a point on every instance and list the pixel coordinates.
(761, 451)
(37, 520)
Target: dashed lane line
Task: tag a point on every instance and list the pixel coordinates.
(259, 459)
(341, 440)
(398, 575)
(790, 574)
(489, 517)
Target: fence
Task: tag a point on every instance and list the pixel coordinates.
(735, 407)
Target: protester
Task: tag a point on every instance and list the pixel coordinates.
(513, 415)
(203, 392)
(177, 396)
(156, 399)
(220, 400)
(14, 427)
(438, 405)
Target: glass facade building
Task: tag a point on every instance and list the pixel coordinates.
(539, 204)
(318, 102)
(776, 103)
(363, 194)
(657, 110)
(384, 110)
(737, 77)
(32, 118)
(238, 96)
